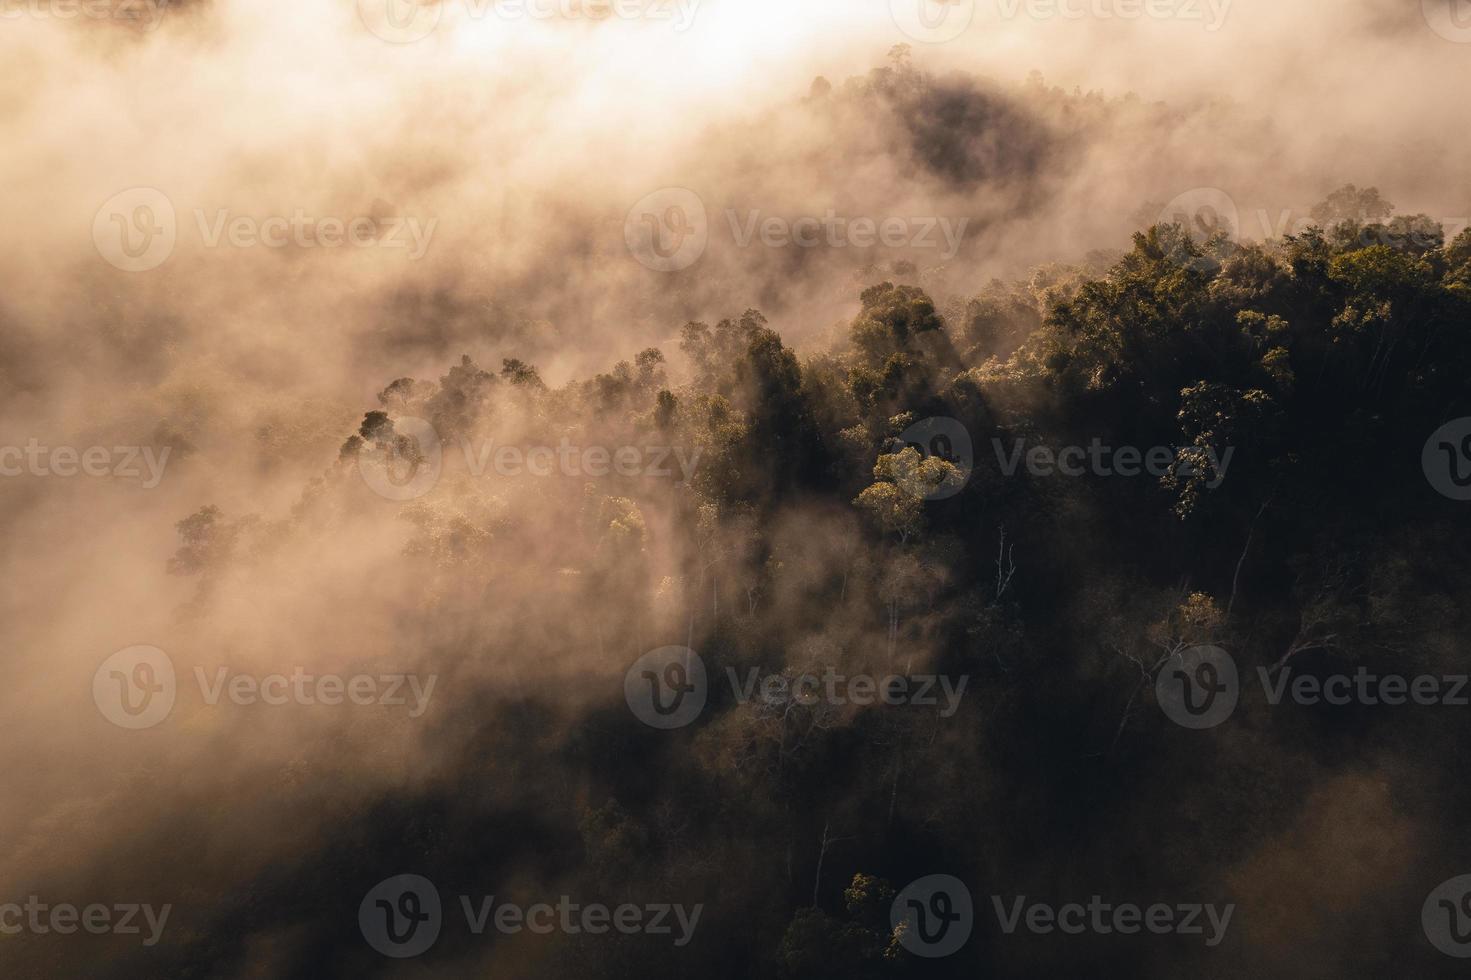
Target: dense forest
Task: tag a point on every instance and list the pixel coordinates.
(813, 536)
(524, 609)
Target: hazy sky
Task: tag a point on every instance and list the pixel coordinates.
(497, 158)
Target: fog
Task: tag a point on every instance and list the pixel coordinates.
(495, 163)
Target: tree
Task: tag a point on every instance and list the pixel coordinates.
(893, 509)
